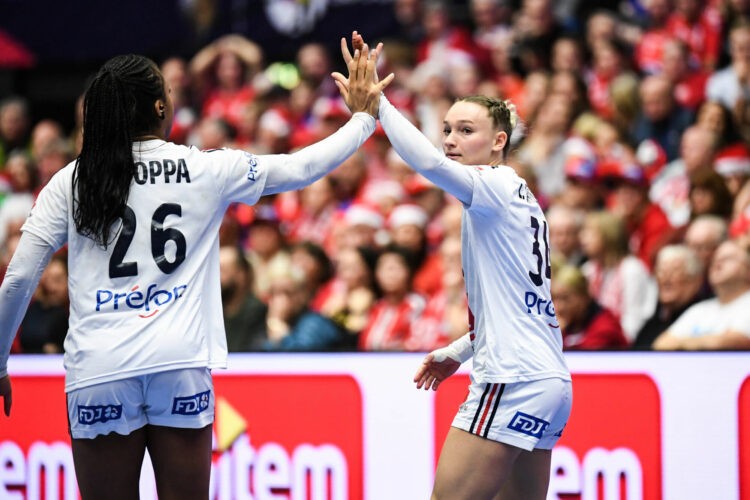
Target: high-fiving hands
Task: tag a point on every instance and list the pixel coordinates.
(361, 90)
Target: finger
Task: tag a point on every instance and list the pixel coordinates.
(345, 51)
(371, 71)
(364, 56)
(353, 64)
(357, 40)
(435, 384)
(342, 90)
(338, 77)
(7, 401)
(385, 82)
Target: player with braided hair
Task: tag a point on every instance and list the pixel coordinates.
(141, 218)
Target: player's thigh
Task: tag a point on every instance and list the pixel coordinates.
(472, 467)
(109, 466)
(180, 411)
(182, 461)
(529, 477)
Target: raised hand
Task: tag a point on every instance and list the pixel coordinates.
(361, 90)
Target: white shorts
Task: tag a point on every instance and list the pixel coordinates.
(178, 398)
(528, 415)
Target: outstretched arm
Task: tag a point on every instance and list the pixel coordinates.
(23, 274)
(416, 150)
(361, 92)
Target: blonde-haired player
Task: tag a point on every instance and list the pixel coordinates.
(520, 394)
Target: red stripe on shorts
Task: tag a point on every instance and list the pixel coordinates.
(486, 408)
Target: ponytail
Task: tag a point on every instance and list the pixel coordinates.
(118, 106)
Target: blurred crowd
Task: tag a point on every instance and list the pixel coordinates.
(634, 131)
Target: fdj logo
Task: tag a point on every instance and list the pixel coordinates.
(88, 415)
(190, 405)
(528, 424)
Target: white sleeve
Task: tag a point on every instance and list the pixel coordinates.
(294, 171)
(416, 150)
(21, 279)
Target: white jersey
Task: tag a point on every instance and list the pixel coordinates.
(505, 256)
(150, 301)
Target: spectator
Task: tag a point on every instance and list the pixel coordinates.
(408, 224)
(564, 234)
(543, 150)
(645, 222)
(585, 324)
(360, 226)
(443, 40)
(671, 187)
(649, 48)
(315, 217)
(266, 248)
(567, 56)
(679, 278)
(15, 121)
(728, 85)
(177, 75)
(212, 133)
(698, 25)
(716, 117)
(709, 195)
(45, 324)
(349, 296)
(625, 102)
(535, 30)
(394, 313)
(573, 87)
(44, 133)
(583, 190)
(704, 234)
(445, 317)
(244, 313)
(661, 118)
(52, 158)
(317, 268)
(608, 62)
(721, 323)
(689, 82)
(291, 325)
(314, 64)
(22, 175)
(617, 280)
(224, 71)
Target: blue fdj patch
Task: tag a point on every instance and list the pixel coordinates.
(88, 415)
(528, 424)
(191, 405)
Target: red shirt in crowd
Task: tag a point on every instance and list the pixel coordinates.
(390, 325)
(600, 329)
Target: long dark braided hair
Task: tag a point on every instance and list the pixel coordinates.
(118, 106)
